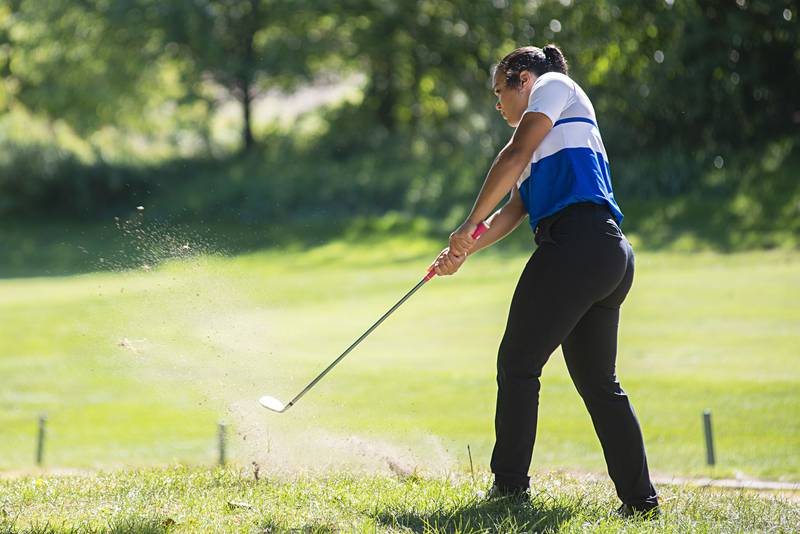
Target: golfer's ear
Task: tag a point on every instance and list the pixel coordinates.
(526, 77)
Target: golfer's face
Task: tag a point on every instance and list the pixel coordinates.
(511, 102)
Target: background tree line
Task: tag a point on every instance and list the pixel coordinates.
(106, 103)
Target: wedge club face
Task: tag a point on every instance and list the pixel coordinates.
(273, 404)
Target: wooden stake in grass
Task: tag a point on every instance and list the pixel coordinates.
(221, 441)
(710, 460)
(40, 440)
(471, 469)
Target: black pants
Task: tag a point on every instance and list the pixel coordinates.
(569, 294)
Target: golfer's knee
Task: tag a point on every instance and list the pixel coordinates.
(516, 363)
(599, 389)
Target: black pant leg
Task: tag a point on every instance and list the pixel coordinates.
(590, 352)
(583, 262)
(545, 308)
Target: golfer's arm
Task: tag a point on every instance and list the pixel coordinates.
(509, 164)
(502, 222)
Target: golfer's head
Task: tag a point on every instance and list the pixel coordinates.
(513, 77)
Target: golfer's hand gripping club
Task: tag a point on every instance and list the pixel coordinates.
(482, 227)
(277, 406)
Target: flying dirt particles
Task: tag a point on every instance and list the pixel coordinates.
(130, 344)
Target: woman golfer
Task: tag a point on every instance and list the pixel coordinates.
(556, 171)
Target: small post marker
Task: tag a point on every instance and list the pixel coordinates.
(710, 460)
(221, 442)
(471, 468)
(40, 440)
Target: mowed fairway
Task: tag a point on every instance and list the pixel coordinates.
(136, 368)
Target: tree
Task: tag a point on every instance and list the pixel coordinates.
(422, 57)
(73, 60)
(246, 46)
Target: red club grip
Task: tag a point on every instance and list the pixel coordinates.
(482, 227)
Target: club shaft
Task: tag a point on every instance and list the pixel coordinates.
(356, 342)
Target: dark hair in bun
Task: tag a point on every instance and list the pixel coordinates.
(556, 59)
(534, 59)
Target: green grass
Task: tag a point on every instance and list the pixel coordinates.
(134, 368)
(226, 500)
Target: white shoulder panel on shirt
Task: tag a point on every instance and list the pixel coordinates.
(552, 93)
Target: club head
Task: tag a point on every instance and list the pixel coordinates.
(272, 403)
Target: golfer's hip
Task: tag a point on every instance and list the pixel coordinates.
(583, 246)
(578, 223)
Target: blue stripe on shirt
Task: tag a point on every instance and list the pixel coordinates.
(574, 119)
(569, 176)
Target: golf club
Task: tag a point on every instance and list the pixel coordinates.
(277, 406)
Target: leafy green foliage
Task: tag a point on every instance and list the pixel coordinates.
(73, 61)
(245, 46)
(697, 76)
(691, 97)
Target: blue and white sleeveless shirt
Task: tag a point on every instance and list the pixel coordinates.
(570, 165)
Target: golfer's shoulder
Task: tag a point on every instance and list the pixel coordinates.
(554, 81)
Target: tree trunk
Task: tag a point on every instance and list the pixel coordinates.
(247, 127)
(247, 76)
(383, 90)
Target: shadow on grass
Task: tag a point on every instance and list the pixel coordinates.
(240, 205)
(503, 515)
(310, 528)
(687, 223)
(35, 249)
